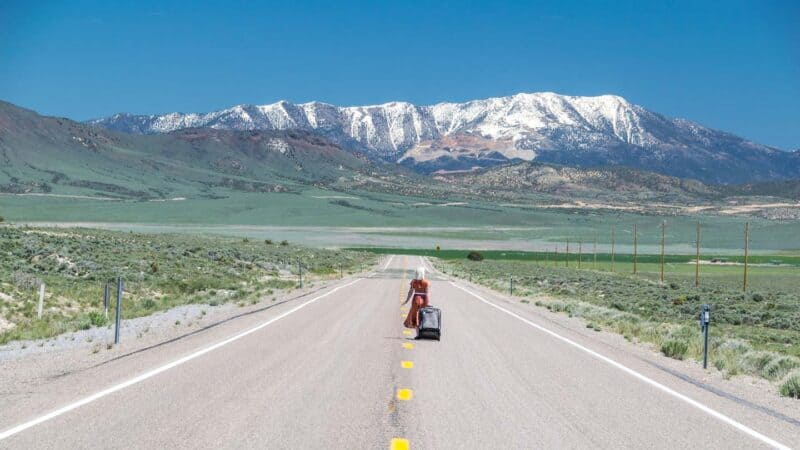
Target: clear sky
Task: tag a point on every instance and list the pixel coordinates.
(730, 65)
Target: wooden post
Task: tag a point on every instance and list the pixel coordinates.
(612, 248)
(566, 255)
(663, 226)
(746, 248)
(41, 301)
(635, 249)
(555, 260)
(697, 258)
(580, 252)
(594, 250)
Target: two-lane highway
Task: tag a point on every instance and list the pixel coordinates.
(335, 370)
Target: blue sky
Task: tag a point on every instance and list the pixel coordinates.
(730, 65)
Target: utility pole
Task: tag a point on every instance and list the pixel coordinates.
(635, 249)
(663, 226)
(697, 258)
(612, 248)
(594, 249)
(746, 248)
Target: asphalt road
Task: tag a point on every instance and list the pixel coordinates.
(335, 370)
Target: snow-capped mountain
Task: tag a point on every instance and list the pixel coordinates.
(580, 131)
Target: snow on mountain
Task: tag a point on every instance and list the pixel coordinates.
(394, 127)
(581, 131)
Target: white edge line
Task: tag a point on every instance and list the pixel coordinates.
(717, 415)
(138, 379)
(391, 257)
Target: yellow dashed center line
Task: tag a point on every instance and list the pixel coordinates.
(405, 394)
(399, 444)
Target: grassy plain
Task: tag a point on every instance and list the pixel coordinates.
(401, 221)
(160, 271)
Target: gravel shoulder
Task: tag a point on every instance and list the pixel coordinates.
(33, 361)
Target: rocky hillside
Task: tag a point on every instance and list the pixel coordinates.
(609, 184)
(47, 155)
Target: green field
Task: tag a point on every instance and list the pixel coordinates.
(399, 221)
(764, 271)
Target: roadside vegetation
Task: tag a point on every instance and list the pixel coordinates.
(160, 271)
(756, 332)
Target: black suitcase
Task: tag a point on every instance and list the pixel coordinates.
(430, 323)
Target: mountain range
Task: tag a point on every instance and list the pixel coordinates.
(50, 155)
(582, 132)
(43, 155)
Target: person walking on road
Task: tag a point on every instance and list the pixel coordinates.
(420, 293)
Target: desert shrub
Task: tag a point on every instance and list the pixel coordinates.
(2, 219)
(149, 303)
(97, 319)
(284, 243)
(674, 348)
(474, 256)
(790, 386)
(755, 361)
(779, 366)
(268, 241)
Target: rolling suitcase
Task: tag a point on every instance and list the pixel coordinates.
(430, 323)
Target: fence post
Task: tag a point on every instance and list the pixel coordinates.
(511, 285)
(119, 307)
(41, 300)
(105, 299)
(705, 320)
(300, 272)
